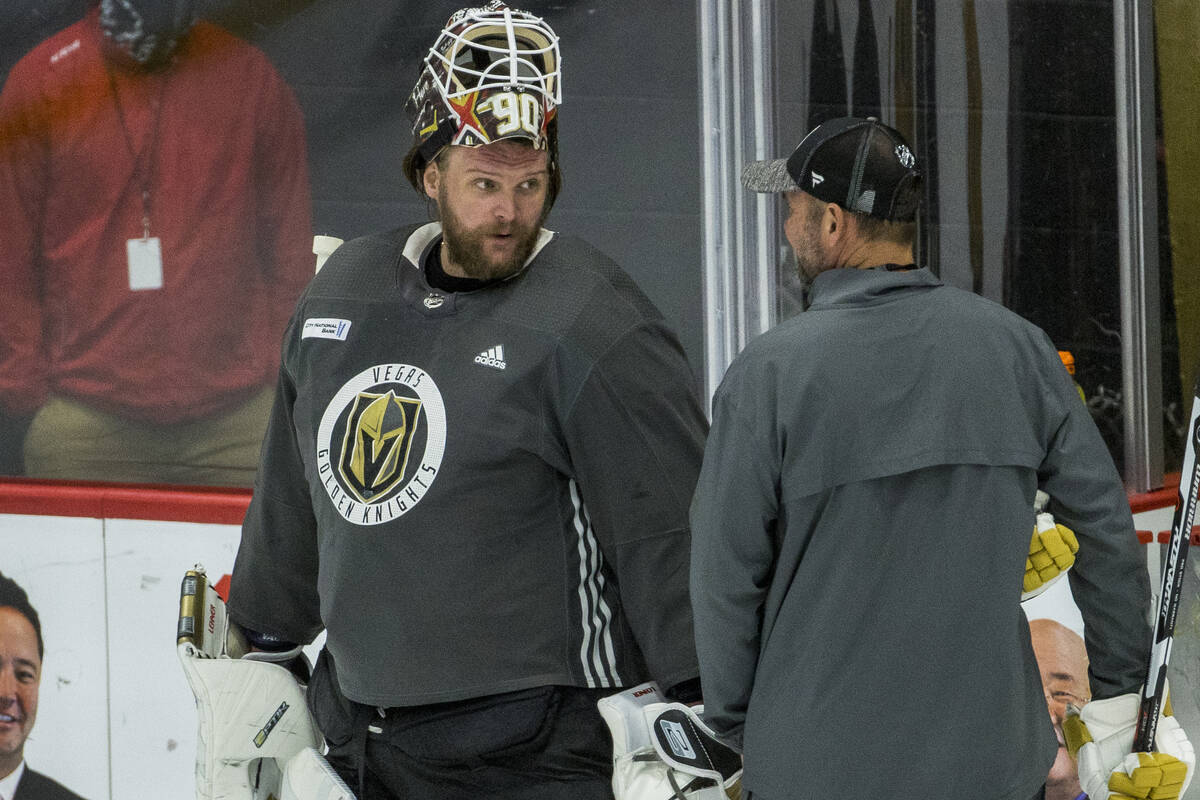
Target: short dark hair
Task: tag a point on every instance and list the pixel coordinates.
(875, 229)
(14, 597)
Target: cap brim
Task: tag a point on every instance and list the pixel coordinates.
(768, 176)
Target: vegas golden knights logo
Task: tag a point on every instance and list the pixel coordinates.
(380, 443)
(379, 435)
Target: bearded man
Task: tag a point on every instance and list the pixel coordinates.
(478, 470)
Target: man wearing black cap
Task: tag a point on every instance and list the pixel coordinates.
(863, 513)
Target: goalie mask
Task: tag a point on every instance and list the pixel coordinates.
(492, 74)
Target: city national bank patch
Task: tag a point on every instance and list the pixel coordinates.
(325, 328)
(380, 443)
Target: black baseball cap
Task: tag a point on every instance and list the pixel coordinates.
(858, 163)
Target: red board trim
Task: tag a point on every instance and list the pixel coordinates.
(124, 501)
(1159, 498)
(228, 506)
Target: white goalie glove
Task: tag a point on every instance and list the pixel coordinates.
(256, 739)
(663, 751)
(1100, 738)
(1052, 551)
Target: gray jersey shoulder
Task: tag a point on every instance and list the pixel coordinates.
(571, 291)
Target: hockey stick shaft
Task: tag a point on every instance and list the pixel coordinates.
(1172, 587)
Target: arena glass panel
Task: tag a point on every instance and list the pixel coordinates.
(1017, 112)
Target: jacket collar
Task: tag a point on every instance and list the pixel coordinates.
(836, 287)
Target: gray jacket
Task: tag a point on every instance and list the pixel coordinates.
(860, 529)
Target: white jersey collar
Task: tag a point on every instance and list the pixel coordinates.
(423, 236)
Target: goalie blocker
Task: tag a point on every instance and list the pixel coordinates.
(256, 738)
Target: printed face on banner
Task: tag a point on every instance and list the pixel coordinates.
(20, 675)
(1062, 660)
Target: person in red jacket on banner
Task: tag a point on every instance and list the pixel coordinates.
(156, 234)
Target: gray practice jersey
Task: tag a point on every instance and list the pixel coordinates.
(861, 525)
(476, 492)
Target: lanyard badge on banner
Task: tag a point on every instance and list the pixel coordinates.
(143, 255)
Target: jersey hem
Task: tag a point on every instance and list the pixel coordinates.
(384, 700)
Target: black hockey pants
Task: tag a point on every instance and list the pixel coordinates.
(545, 743)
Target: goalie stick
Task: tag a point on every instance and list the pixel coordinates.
(1172, 587)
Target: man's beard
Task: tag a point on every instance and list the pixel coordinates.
(811, 260)
(466, 247)
(808, 263)
(808, 266)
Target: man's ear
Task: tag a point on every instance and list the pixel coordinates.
(833, 223)
(431, 179)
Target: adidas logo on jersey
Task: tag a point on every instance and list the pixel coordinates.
(492, 357)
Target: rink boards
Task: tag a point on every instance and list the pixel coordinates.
(115, 715)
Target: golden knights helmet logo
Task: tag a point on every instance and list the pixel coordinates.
(380, 442)
(377, 442)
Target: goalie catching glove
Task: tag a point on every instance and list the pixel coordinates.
(1051, 551)
(664, 751)
(1100, 737)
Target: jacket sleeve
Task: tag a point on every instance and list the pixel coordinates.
(635, 435)
(24, 172)
(1109, 579)
(274, 584)
(734, 517)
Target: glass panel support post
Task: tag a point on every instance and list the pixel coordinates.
(1137, 245)
(739, 227)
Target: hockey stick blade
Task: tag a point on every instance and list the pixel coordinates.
(1172, 587)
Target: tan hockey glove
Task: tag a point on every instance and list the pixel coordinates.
(1100, 737)
(1051, 552)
